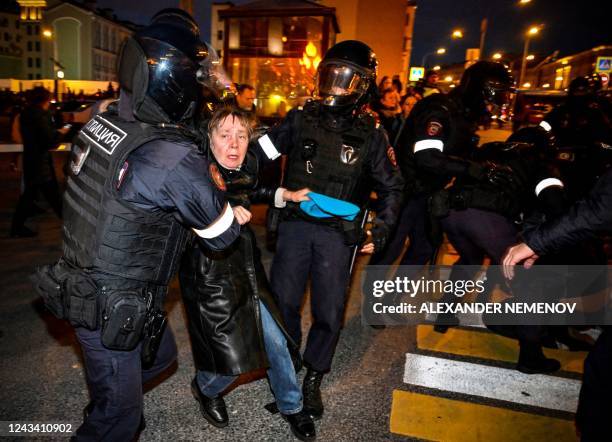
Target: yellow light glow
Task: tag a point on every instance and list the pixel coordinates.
(448, 78)
(545, 85)
(47, 33)
(524, 2)
(558, 78)
(306, 61)
(457, 33)
(436, 68)
(276, 98)
(530, 57)
(60, 74)
(284, 39)
(533, 30)
(565, 62)
(497, 56)
(452, 85)
(441, 51)
(316, 61)
(311, 50)
(526, 85)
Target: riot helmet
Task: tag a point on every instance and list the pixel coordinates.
(168, 70)
(583, 89)
(346, 77)
(485, 84)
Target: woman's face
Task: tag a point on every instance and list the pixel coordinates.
(229, 142)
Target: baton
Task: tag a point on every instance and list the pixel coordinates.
(366, 212)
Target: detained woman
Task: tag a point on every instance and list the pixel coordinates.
(234, 323)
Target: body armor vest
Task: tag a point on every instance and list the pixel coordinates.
(329, 161)
(101, 232)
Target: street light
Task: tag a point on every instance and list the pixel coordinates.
(533, 30)
(530, 57)
(497, 56)
(483, 27)
(439, 51)
(457, 33)
(436, 67)
(47, 33)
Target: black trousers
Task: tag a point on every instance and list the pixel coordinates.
(317, 251)
(412, 224)
(115, 381)
(25, 205)
(595, 402)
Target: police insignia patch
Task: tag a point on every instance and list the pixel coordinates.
(216, 177)
(391, 156)
(434, 128)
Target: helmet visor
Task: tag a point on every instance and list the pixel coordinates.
(211, 74)
(340, 80)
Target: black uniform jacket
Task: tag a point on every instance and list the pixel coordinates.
(583, 220)
(380, 173)
(221, 291)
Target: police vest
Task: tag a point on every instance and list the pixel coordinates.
(329, 161)
(102, 232)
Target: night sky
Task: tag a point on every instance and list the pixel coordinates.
(569, 25)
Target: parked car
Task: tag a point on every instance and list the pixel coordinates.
(531, 105)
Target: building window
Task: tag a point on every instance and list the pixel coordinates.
(17, 24)
(30, 77)
(7, 36)
(219, 35)
(38, 76)
(37, 46)
(29, 46)
(37, 30)
(29, 29)
(37, 62)
(29, 62)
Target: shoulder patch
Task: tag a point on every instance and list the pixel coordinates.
(391, 156)
(434, 128)
(103, 134)
(216, 177)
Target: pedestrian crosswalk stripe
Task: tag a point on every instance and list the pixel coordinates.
(440, 419)
(489, 346)
(496, 383)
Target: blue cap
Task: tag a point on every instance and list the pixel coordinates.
(323, 206)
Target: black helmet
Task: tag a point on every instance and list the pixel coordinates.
(347, 75)
(485, 83)
(588, 85)
(164, 67)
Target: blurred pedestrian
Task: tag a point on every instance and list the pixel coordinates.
(39, 136)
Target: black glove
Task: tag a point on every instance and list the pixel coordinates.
(497, 175)
(380, 235)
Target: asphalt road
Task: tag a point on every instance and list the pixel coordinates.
(41, 368)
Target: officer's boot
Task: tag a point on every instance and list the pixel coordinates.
(311, 390)
(532, 360)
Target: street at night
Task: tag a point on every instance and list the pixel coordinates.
(334, 220)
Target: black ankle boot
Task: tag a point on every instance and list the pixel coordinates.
(311, 389)
(213, 409)
(532, 360)
(302, 425)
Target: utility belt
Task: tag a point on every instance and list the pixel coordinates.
(473, 197)
(124, 316)
(351, 230)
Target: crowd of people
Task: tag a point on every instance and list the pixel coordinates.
(177, 176)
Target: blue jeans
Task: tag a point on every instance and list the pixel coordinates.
(281, 373)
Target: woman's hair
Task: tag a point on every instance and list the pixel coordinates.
(221, 113)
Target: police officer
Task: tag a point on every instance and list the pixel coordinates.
(582, 131)
(335, 149)
(482, 220)
(138, 185)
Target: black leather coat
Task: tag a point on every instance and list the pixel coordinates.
(221, 291)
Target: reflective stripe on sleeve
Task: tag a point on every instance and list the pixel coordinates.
(279, 202)
(268, 147)
(545, 125)
(547, 182)
(218, 226)
(428, 144)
